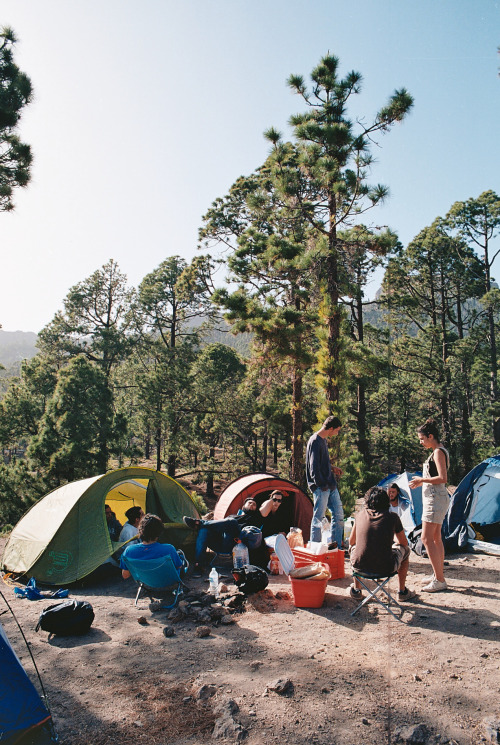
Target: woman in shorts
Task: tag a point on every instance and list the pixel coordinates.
(435, 502)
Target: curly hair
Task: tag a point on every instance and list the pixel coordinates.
(377, 499)
(150, 528)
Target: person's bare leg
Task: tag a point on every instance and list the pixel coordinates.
(402, 574)
(431, 538)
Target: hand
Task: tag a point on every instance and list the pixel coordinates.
(416, 481)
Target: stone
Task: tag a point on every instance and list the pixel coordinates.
(417, 734)
(491, 730)
(143, 621)
(168, 631)
(227, 620)
(282, 686)
(202, 632)
(205, 692)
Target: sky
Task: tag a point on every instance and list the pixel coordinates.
(145, 112)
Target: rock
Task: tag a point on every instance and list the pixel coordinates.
(155, 606)
(282, 595)
(227, 620)
(491, 729)
(417, 734)
(202, 632)
(228, 728)
(175, 615)
(183, 606)
(229, 707)
(168, 631)
(205, 692)
(283, 686)
(143, 621)
(223, 587)
(365, 721)
(417, 678)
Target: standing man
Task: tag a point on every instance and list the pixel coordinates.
(322, 483)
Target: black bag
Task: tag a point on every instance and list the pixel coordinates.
(415, 542)
(65, 619)
(250, 579)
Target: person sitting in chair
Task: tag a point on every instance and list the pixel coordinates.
(150, 529)
(371, 543)
(221, 535)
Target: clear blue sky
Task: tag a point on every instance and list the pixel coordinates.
(145, 112)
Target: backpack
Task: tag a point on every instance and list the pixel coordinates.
(250, 579)
(65, 619)
(415, 542)
(251, 536)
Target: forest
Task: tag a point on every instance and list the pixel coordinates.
(224, 365)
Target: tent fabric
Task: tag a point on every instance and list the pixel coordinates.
(414, 496)
(21, 707)
(64, 536)
(475, 500)
(259, 486)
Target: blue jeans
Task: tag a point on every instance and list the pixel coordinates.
(327, 499)
(219, 535)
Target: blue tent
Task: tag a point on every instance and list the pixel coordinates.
(21, 707)
(413, 516)
(474, 514)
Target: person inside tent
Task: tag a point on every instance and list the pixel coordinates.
(276, 519)
(114, 525)
(398, 502)
(371, 543)
(130, 530)
(221, 535)
(150, 529)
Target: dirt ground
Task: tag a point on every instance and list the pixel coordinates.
(359, 680)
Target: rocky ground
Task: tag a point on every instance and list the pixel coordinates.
(268, 672)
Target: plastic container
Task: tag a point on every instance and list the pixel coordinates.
(213, 579)
(308, 593)
(240, 555)
(348, 525)
(334, 559)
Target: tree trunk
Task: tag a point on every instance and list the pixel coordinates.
(297, 460)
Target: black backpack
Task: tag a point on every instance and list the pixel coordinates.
(250, 579)
(66, 619)
(415, 542)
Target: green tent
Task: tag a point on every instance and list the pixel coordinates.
(64, 536)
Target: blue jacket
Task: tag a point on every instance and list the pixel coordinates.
(318, 467)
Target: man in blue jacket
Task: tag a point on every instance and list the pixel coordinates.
(322, 483)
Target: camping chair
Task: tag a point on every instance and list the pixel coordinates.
(158, 575)
(380, 583)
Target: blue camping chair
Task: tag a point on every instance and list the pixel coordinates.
(154, 575)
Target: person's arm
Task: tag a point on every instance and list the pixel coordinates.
(352, 537)
(441, 478)
(401, 538)
(265, 507)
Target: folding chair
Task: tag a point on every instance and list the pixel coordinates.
(155, 575)
(380, 583)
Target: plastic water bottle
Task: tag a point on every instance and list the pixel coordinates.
(213, 579)
(348, 525)
(240, 555)
(326, 531)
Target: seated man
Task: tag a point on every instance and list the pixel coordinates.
(221, 535)
(371, 543)
(150, 529)
(130, 530)
(276, 519)
(114, 526)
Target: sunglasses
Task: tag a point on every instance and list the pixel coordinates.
(277, 500)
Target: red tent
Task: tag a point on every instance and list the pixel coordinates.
(259, 486)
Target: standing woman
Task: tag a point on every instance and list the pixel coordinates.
(435, 501)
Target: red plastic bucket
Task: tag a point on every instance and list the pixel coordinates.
(308, 593)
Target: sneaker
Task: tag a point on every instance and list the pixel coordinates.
(435, 586)
(197, 572)
(332, 545)
(191, 522)
(426, 580)
(406, 595)
(355, 593)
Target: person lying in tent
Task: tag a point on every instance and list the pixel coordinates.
(221, 535)
(114, 525)
(371, 543)
(149, 530)
(276, 519)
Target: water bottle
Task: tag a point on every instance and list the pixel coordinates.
(326, 531)
(348, 525)
(240, 555)
(213, 579)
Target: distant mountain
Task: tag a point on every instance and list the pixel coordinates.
(16, 346)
